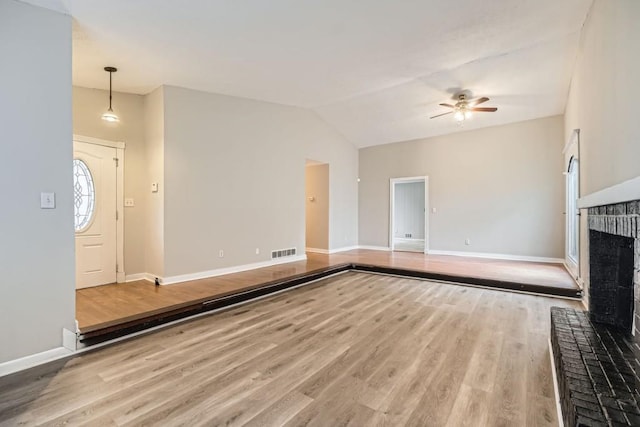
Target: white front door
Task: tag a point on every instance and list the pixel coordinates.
(94, 185)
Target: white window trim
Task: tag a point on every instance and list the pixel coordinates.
(572, 231)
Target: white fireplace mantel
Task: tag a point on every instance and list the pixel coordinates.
(624, 192)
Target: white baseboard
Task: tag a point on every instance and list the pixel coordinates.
(332, 251)
(317, 251)
(229, 270)
(344, 249)
(375, 248)
(140, 276)
(555, 386)
(498, 256)
(69, 340)
(13, 366)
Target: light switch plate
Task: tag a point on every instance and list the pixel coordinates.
(154, 187)
(129, 203)
(47, 200)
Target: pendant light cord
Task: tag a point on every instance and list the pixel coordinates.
(110, 74)
(109, 115)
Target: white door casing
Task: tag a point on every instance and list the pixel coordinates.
(571, 152)
(99, 242)
(392, 185)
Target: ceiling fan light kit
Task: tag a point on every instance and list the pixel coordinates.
(463, 109)
(109, 115)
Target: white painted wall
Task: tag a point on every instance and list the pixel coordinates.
(37, 295)
(88, 106)
(409, 210)
(603, 102)
(501, 187)
(235, 180)
(155, 148)
(317, 206)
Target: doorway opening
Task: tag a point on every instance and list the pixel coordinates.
(408, 223)
(98, 184)
(316, 206)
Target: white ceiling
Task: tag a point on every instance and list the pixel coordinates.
(376, 69)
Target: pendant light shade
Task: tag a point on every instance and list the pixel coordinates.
(109, 115)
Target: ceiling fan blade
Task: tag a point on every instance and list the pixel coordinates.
(447, 105)
(485, 109)
(479, 101)
(443, 114)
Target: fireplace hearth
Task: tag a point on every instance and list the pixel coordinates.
(597, 353)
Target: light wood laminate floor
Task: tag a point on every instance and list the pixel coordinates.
(354, 349)
(105, 306)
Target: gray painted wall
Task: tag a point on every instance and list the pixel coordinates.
(37, 295)
(234, 177)
(603, 103)
(155, 134)
(603, 100)
(501, 187)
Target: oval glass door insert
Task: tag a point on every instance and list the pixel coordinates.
(84, 195)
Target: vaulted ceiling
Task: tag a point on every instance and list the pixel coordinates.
(376, 70)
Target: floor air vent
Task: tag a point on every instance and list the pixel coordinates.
(282, 253)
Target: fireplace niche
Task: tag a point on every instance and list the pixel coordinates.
(614, 266)
(611, 295)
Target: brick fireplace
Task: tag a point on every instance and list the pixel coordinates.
(614, 265)
(597, 353)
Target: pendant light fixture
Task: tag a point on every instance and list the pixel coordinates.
(109, 115)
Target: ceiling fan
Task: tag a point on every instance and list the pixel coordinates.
(463, 109)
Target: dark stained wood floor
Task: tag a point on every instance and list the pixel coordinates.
(105, 306)
(355, 349)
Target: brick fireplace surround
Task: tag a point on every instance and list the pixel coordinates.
(597, 353)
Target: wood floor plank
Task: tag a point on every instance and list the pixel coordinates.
(470, 408)
(285, 408)
(357, 349)
(109, 305)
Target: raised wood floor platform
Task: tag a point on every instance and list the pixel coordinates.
(107, 311)
(357, 350)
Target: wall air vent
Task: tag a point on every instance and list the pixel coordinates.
(282, 253)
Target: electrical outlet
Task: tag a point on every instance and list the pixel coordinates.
(467, 242)
(221, 253)
(257, 251)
